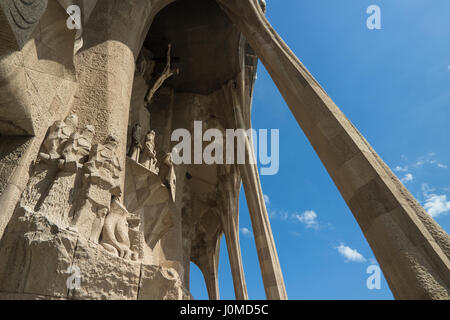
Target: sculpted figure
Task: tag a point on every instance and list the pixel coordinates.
(149, 153)
(77, 147)
(101, 182)
(103, 166)
(60, 197)
(136, 146)
(167, 172)
(46, 168)
(58, 134)
(115, 237)
(136, 237)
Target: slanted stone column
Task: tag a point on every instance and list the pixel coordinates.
(265, 245)
(412, 249)
(229, 216)
(206, 257)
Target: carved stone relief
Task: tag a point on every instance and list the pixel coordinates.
(76, 186)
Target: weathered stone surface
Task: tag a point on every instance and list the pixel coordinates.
(158, 283)
(38, 259)
(24, 296)
(18, 20)
(104, 275)
(35, 257)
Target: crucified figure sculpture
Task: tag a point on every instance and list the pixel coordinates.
(166, 74)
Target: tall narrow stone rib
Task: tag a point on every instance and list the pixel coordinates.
(265, 244)
(229, 216)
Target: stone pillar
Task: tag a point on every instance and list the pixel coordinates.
(210, 270)
(206, 258)
(234, 254)
(229, 216)
(105, 66)
(265, 245)
(412, 249)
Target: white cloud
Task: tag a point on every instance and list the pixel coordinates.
(443, 166)
(266, 199)
(350, 254)
(436, 205)
(246, 232)
(308, 218)
(401, 169)
(407, 178)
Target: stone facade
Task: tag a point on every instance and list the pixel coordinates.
(93, 205)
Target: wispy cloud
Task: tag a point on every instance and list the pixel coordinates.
(426, 189)
(401, 169)
(350, 255)
(407, 178)
(277, 214)
(428, 159)
(266, 199)
(246, 232)
(273, 213)
(308, 218)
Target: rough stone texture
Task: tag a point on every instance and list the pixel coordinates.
(18, 20)
(157, 283)
(11, 151)
(37, 254)
(147, 197)
(104, 276)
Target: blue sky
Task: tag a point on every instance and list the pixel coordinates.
(394, 85)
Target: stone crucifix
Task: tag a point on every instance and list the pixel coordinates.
(166, 74)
